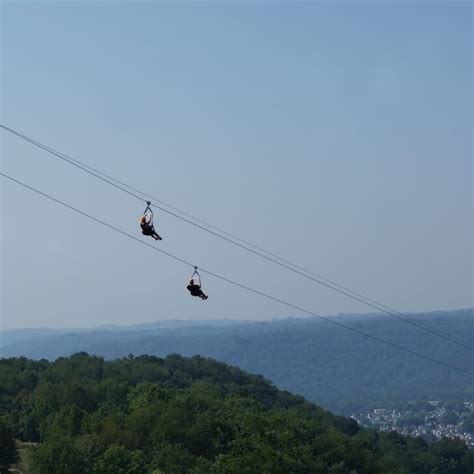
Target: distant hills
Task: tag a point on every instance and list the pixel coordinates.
(328, 365)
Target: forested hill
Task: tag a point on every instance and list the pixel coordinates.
(335, 368)
(177, 415)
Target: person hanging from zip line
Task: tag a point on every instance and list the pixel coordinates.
(146, 223)
(195, 288)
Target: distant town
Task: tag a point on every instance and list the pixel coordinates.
(432, 420)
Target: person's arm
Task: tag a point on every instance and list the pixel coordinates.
(148, 213)
(148, 217)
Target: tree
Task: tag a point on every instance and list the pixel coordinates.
(468, 422)
(452, 457)
(57, 456)
(8, 451)
(119, 460)
(450, 418)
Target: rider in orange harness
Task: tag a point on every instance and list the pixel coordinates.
(146, 223)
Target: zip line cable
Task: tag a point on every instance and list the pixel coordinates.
(104, 177)
(240, 285)
(107, 179)
(282, 263)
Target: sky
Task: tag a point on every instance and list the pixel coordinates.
(336, 135)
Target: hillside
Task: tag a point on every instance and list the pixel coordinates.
(178, 415)
(332, 367)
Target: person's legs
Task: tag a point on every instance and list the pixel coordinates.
(146, 230)
(154, 234)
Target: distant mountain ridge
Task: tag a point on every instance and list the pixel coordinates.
(335, 368)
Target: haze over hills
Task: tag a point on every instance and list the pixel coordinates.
(335, 368)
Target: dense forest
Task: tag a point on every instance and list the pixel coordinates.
(337, 369)
(189, 415)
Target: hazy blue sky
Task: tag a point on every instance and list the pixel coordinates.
(336, 135)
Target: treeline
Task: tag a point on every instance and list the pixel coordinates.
(177, 415)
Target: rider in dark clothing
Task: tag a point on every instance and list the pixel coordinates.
(195, 289)
(148, 229)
